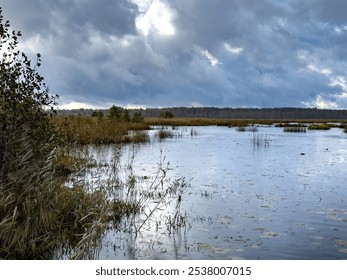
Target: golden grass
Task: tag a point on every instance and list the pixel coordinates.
(89, 130)
(194, 122)
(227, 122)
(319, 126)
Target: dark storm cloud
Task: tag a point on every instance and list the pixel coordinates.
(183, 53)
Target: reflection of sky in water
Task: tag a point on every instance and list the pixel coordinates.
(286, 200)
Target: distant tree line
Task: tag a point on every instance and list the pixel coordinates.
(248, 113)
(220, 113)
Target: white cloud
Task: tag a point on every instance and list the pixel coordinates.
(341, 29)
(314, 64)
(155, 16)
(76, 105)
(165, 53)
(324, 71)
(213, 60)
(321, 103)
(233, 50)
(339, 81)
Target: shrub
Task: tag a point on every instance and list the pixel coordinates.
(166, 115)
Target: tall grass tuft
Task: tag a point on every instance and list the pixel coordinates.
(164, 132)
(27, 205)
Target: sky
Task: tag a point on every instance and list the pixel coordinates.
(161, 53)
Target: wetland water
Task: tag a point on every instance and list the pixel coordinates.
(286, 199)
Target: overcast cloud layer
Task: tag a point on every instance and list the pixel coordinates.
(155, 53)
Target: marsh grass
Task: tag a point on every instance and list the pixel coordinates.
(230, 122)
(311, 125)
(88, 130)
(164, 132)
(40, 216)
(293, 127)
(319, 126)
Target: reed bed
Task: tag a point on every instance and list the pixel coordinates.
(91, 130)
(231, 122)
(320, 126)
(164, 132)
(185, 122)
(42, 218)
(203, 122)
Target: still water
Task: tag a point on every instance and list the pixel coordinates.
(283, 197)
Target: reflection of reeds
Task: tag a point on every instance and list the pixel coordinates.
(300, 129)
(251, 128)
(193, 132)
(260, 140)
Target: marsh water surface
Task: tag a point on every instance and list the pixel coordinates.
(283, 198)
